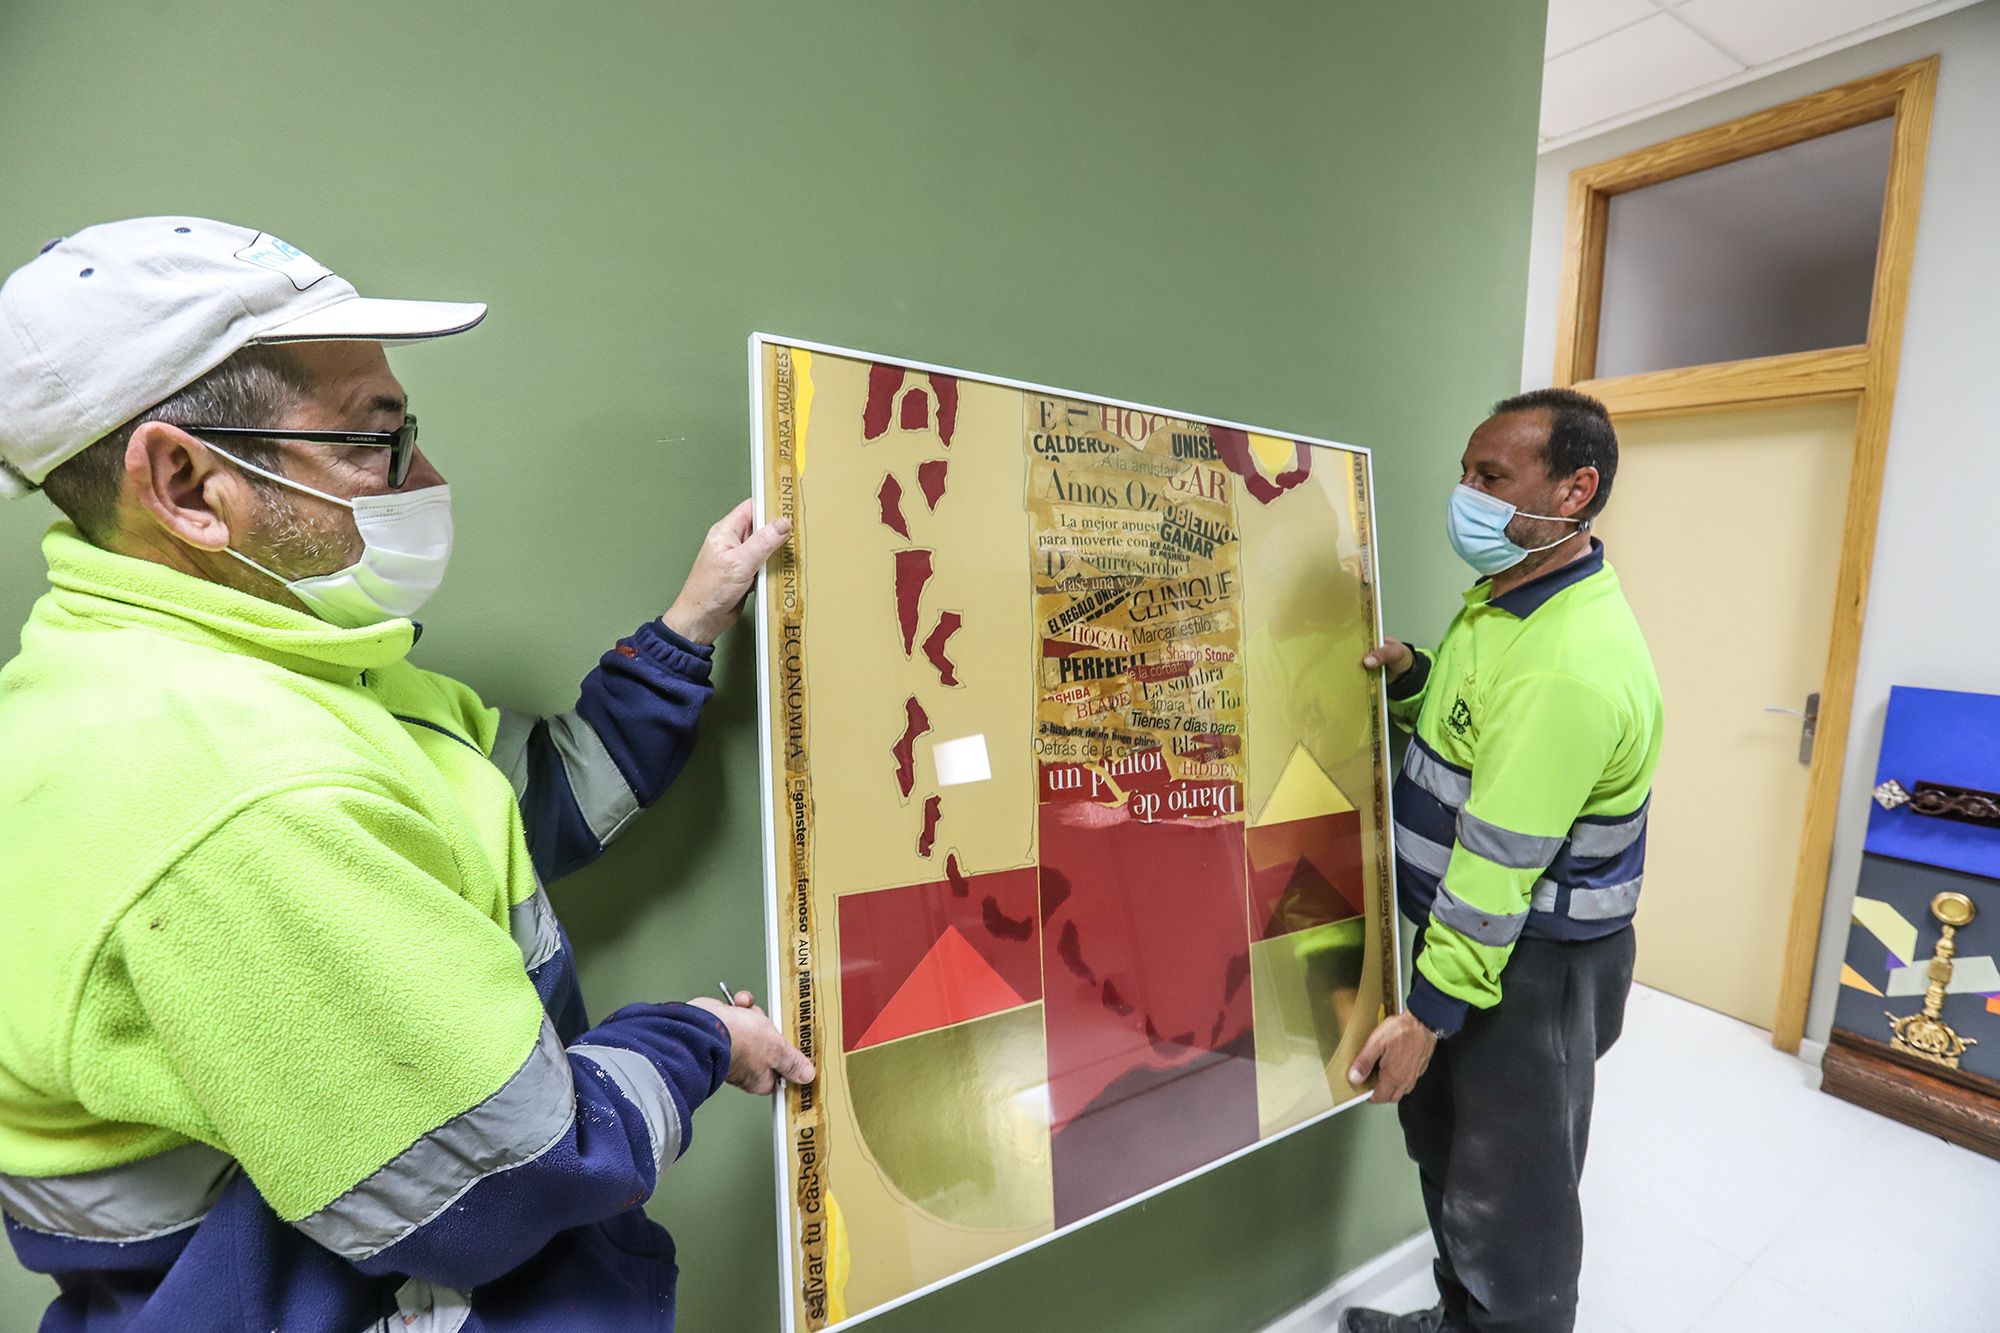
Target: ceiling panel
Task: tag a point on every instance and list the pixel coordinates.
(1612, 62)
(1761, 30)
(1574, 22)
(1647, 62)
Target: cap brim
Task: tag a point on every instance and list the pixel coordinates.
(376, 319)
(13, 485)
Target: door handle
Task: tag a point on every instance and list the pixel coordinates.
(1808, 728)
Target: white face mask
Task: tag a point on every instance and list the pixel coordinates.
(405, 547)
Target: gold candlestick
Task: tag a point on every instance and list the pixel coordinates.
(1926, 1035)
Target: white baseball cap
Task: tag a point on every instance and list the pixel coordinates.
(104, 324)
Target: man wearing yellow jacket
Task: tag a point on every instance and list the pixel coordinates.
(1520, 847)
(290, 1037)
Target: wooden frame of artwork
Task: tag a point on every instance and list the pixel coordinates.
(1866, 373)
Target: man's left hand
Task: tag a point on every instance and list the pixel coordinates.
(723, 574)
(1398, 1050)
(758, 1056)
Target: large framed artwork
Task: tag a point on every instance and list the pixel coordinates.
(1076, 806)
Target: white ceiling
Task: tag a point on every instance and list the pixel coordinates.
(1611, 62)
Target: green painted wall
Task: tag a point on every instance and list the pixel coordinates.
(1310, 215)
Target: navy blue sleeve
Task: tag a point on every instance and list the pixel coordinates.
(644, 700)
(637, 1078)
(1412, 682)
(1443, 1014)
(582, 775)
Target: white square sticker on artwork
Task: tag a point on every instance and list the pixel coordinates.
(961, 761)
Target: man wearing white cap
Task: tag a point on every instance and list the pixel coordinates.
(289, 1035)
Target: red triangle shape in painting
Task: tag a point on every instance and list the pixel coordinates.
(954, 982)
(1310, 899)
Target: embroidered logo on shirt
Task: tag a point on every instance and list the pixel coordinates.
(1460, 719)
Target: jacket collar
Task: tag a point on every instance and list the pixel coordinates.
(1530, 597)
(99, 585)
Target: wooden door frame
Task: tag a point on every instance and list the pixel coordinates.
(1866, 373)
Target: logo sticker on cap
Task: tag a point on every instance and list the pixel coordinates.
(268, 251)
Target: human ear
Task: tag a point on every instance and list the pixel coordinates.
(174, 482)
(1582, 490)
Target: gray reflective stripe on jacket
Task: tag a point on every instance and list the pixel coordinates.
(1516, 851)
(532, 922)
(601, 792)
(528, 1115)
(1591, 838)
(636, 1077)
(1607, 903)
(137, 1201)
(1430, 857)
(425, 1307)
(510, 748)
(1451, 787)
(1604, 904)
(603, 797)
(1594, 839)
(1488, 929)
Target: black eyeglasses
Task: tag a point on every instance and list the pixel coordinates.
(401, 443)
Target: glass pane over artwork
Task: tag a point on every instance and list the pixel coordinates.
(1079, 858)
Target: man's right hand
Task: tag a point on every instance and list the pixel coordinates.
(1394, 657)
(725, 570)
(758, 1056)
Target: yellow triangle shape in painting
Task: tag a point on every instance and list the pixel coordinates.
(1886, 924)
(1274, 456)
(1849, 977)
(1303, 792)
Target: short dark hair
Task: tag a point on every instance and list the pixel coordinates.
(254, 387)
(1580, 436)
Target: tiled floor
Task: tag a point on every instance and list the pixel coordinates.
(1726, 1194)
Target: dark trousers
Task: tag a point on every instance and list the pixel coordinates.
(1498, 1125)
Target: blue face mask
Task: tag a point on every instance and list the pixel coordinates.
(1477, 524)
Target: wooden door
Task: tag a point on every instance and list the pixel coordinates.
(1725, 528)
